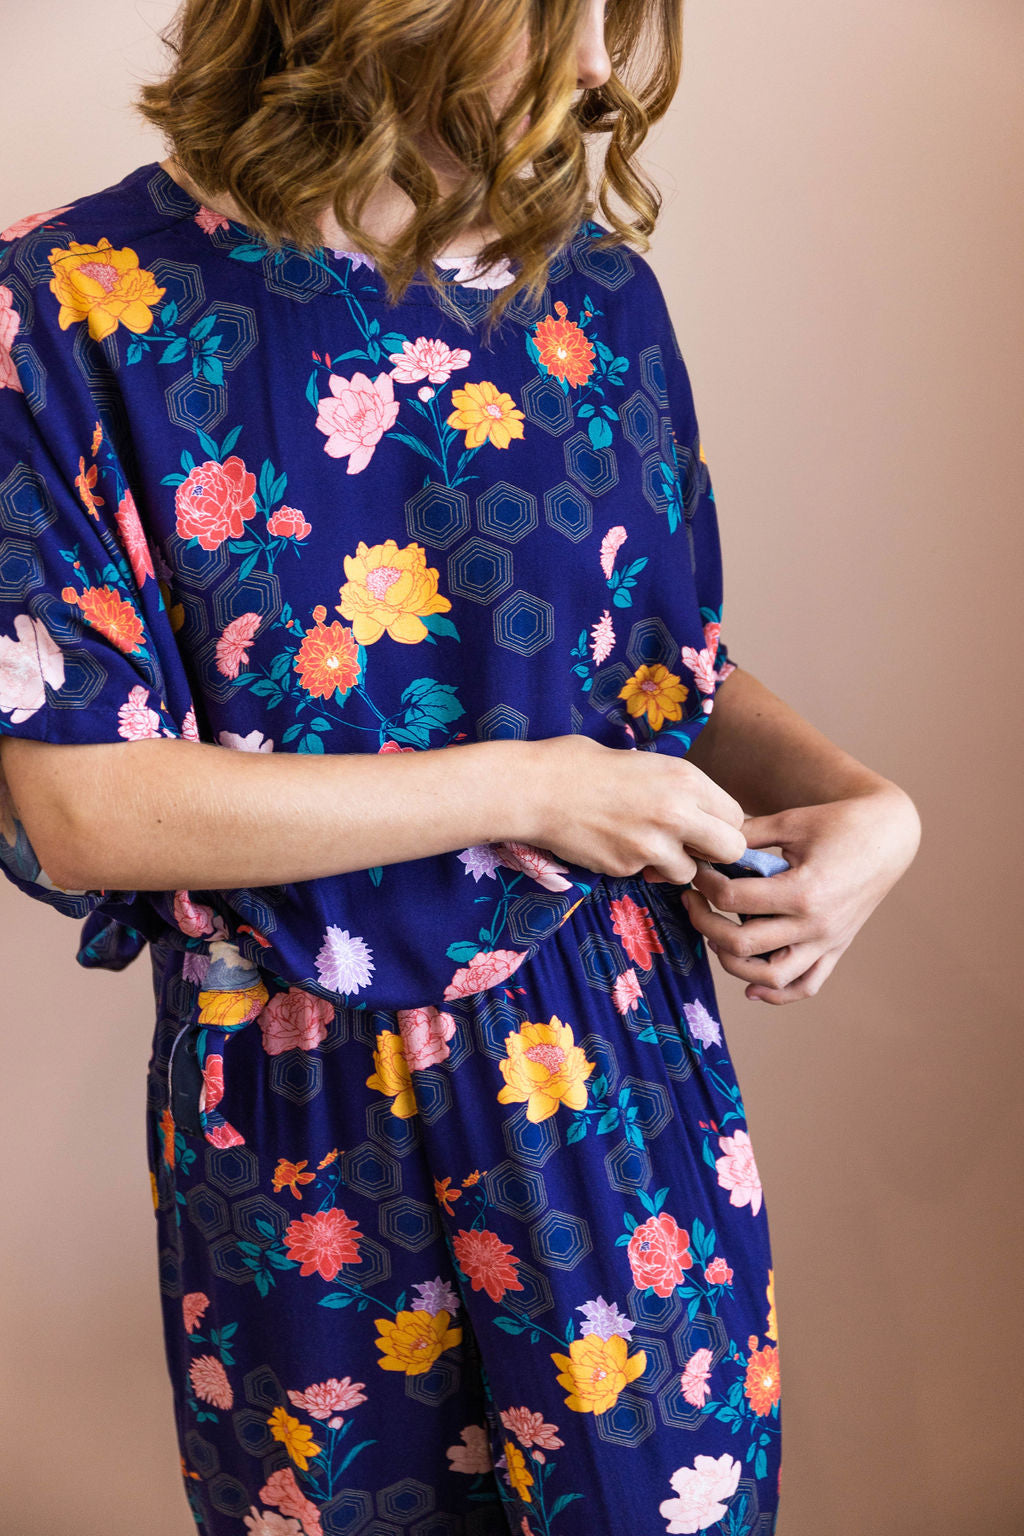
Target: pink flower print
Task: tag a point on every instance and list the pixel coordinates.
(134, 539)
(135, 720)
(427, 359)
(702, 665)
(626, 991)
(261, 1522)
(355, 416)
(602, 638)
(701, 1491)
(210, 1382)
(531, 1429)
(610, 546)
(474, 1455)
(191, 916)
(737, 1171)
(189, 726)
(486, 969)
(535, 862)
(209, 221)
(425, 1033)
(294, 1020)
(30, 221)
(695, 1378)
(26, 664)
(288, 523)
(329, 1398)
(193, 1305)
(10, 323)
(254, 742)
(232, 651)
(224, 1135)
(282, 1489)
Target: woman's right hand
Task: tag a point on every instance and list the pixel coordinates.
(620, 811)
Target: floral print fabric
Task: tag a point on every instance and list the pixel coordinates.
(494, 1264)
(245, 501)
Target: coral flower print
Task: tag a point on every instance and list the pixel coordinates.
(761, 1385)
(425, 1033)
(322, 1241)
(636, 929)
(696, 1378)
(485, 970)
(328, 660)
(210, 1382)
(266, 1523)
(489, 1263)
(543, 1068)
(232, 649)
(702, 1492)
(531, 1429)
(288, 523)
(214, 501)
(108, 612)
(659, 1253)
(562, 348)
(487, 414)
(281, 1490)
(294, 1020)
(134, 539)
(325, 1399)
(193, 1305)
(355, 416)
(10, 322)
(737, 1171)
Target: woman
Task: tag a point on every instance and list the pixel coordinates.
(459, 1221)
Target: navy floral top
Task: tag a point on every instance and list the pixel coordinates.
(245, 501)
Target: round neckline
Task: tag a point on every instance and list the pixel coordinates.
(234, 232)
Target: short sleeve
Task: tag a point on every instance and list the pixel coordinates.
(699, 508)
(84, 631)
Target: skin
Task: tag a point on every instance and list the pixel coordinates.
(166, 814)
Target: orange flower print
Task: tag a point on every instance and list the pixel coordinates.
(322, 1241)
(658, 1253)
(110, 614)
(635, 927)
(485, 1258)
(104, 286)
(445, 1195)
(97, 438)
(167, 1135)
(210, 1382)
(563, 348)
(290, 1175)
(328, 658)
(762, 1386)
(656, 692)
(389, 589)
(214, 501)
(85, 481)
(486, 414)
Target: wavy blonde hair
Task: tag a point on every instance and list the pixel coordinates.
(291, 106)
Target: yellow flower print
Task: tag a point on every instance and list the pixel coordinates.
(596, 1370)
(518, 1475)
(175, 611)
(772, 1325)
(655, 692)
(413, 1340)
(392, 589)
(393, 1075)
(487, 414)
(155, 1192)
(230, 1010)
(544, 1068)
(297, 1438)
(103, 285)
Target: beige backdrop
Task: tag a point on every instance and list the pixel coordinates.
(842, 249)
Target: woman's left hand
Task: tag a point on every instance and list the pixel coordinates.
(845, 856)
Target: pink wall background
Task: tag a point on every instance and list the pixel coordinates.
(843, 250)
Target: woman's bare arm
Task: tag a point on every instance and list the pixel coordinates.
(165, 814)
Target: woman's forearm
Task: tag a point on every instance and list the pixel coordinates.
(769, 758)
(166, 814)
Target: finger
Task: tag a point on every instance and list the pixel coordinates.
(777, 971)
(808, 984)
(716, 801)
(767, 894)
(710, 837)
(758, 936)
